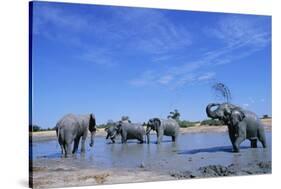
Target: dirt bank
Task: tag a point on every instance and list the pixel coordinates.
(56, 176)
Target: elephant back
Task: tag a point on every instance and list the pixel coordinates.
(67, 120)
(169, 123)
(133, 128)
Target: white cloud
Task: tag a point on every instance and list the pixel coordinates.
(235, 34)
(206, 76)
(165, 79)
(101, 57)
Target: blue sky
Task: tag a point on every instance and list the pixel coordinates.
(143, 63)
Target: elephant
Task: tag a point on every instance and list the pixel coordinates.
(167, 127)
(242, 124)
(130, 131)
(112, 132)
(70, 128)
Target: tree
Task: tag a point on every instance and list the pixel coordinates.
(174, 115)
(36, 128)
(265, 116)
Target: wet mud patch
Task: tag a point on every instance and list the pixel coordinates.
(220, 170)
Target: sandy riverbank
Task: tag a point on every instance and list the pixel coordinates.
(61, 177)
(50, 135)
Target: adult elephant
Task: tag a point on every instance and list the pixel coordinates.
(130, 131)
(242, 124)
(71, 128)
(167, 127)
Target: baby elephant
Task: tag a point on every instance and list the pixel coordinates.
(130, 131)
(71, 128)
(167, 127)
(112, 132)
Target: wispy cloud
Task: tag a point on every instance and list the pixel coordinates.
(238, 37)
(152, 35)
(147, 31)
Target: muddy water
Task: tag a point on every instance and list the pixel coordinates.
(191, 150)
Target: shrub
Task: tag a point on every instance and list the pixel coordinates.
(265, 116)
(211, 122)
(36, 128)
(185, 124)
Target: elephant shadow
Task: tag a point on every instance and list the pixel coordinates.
(227, 149)
(128, 142)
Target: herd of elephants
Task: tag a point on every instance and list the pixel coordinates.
(242, 124)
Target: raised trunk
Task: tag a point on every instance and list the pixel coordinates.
(210, 113)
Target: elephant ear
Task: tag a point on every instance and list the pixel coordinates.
(157, 122)
(241, 115)
(92, 123)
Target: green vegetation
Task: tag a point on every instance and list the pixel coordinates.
(182, 123)
(102, 126)
(266, 116)
(36, 128)
(211, 122)
(185, 123)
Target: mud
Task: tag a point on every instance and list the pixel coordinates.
(195, 155)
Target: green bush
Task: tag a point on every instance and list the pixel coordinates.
(36, 128)
(211, 122)
(185, 124)
(266, 116)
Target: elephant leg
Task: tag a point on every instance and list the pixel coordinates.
(76, 144)
(83, 141)
(141, 139)
(261, 137)
(174, 138)
(124, 136)
(254, 143)
(62, 149)
(124, 139)
(237, 143)
(232, 137)
(61, 146)
(159, 136)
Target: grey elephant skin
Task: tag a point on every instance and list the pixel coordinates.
(71, 128)
(167, 127)
(242, 124)
(112, 132)
(129, 131)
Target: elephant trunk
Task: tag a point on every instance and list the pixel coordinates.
(113, 136)
(92, 139)
(210, 113)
